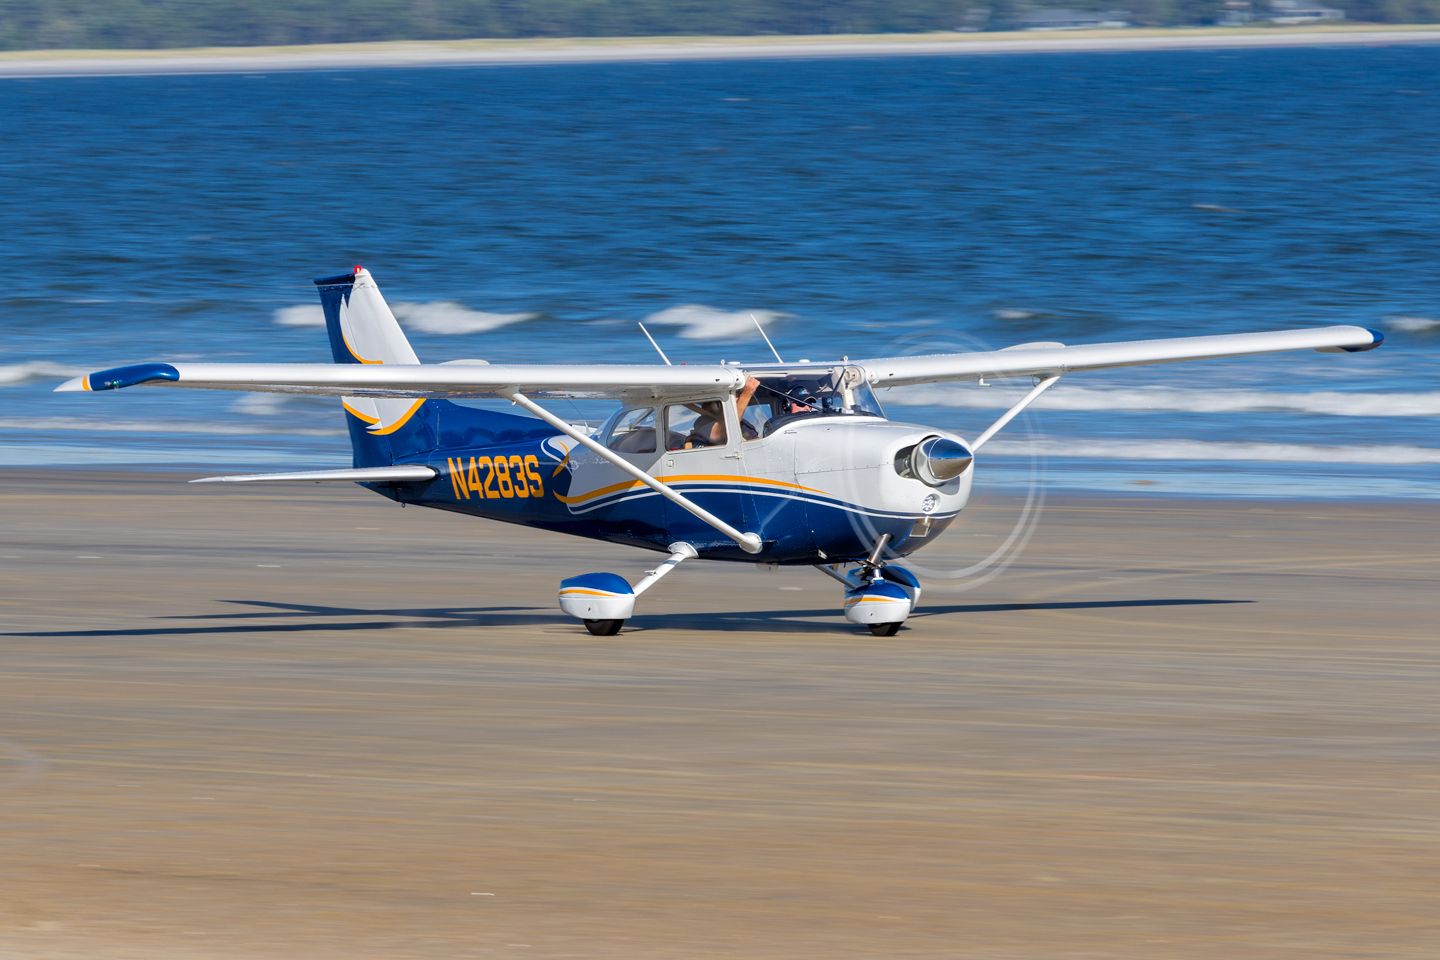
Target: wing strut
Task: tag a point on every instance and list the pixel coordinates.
(1040, 387)
(749, 542)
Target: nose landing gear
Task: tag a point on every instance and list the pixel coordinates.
(879, 595)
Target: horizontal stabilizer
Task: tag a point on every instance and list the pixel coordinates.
(354, 475)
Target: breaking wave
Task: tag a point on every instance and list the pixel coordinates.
(303, 316)
(442, 317)
(1413, 324)
(1214, 450)
(1333, 403)
(260, 404)
(163, 427)
(18, 374)
(447, 317)
(699, 322)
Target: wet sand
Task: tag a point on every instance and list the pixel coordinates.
(303, 722)
(450, 53)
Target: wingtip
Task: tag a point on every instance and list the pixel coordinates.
(1376, 338)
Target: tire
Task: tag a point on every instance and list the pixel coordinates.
(881, 629)
(604, 628)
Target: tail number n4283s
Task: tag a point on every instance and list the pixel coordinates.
(495, 478)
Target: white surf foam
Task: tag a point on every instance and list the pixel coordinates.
(1014, 313)
(449, 318)
(46, 424)
(1333, 403)
(699, 322)
(442, 317)
(306, 315)
(18, 374)
(260, 404)
(1213, 450)
(1413, 324)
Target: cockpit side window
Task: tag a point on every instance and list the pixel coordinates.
(632, 431)
(835, 392)
(690, 426)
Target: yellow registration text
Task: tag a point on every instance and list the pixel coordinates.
(496, 478)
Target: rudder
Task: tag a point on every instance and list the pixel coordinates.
(362, 329)
(386, 430)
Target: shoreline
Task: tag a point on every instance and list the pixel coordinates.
(454, 53)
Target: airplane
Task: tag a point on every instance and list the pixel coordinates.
(790, 464)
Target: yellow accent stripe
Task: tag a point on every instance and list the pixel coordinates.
(85, 382)
(590, 593)
(345, 340)
(684, 478)
(404, 419)
(357, 414)
(872, 600)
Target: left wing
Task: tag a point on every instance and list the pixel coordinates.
(422, 379)
(1046, 360)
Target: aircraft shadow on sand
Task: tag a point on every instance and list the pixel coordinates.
(311, 618)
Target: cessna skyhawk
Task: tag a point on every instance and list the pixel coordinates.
(778, 463)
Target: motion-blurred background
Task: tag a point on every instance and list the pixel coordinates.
(860, 207)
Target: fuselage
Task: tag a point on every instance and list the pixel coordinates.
(820, 489)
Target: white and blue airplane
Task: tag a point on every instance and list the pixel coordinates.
(774, 463)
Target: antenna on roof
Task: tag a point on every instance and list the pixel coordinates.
(755, 320)
(654, 344)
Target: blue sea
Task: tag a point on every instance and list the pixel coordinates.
(866, 207)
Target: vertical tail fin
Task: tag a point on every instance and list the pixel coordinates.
(362, 329)
(384, 430)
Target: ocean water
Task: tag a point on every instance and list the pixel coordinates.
(868, 207)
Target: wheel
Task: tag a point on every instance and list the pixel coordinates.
(604, 628)
(881, 629)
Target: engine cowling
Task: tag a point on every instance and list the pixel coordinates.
(935, 461)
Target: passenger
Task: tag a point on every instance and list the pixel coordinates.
(709, 427)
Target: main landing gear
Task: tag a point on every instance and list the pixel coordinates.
(879, 595)
(604, 601)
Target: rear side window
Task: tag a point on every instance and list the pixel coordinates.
(691, 426)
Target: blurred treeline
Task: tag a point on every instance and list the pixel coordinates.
(42, 24)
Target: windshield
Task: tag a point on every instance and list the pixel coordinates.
(786, 397)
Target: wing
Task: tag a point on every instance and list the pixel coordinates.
(1042, 360)
(421, 380)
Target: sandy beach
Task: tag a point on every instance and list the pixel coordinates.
(42, 63)
(306, 722)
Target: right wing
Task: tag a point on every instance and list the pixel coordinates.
(1046, 360)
